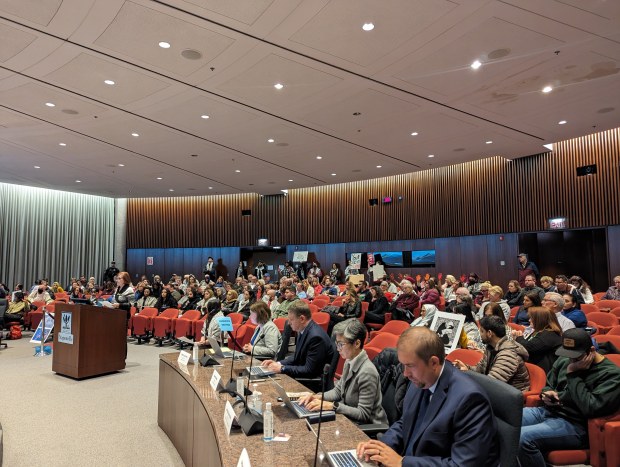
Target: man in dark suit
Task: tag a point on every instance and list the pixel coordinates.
(313, 348)
(447, 418)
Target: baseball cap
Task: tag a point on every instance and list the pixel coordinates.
(522, 254)
(575, 342)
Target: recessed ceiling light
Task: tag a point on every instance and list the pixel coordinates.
(547, 89)
(210, 188)
(333, 175)
(476, 64)
(37, 167)
(109, 82)
(121, 165)
(368, 26)
(415, 133)
(62, 144)
(78, 181)
(164, 45)
(431, 155)
(562, 122)
(49, 104)
(278, 86)
(135, 135)
(290, 180)
(159, 178)
(204, 116)
(271, 140)
(170, 189)
(319, 157)
(379, 166)
(238, 171)
(489, 142)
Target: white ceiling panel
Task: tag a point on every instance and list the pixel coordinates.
(36, 11)
(244, 11)
(13, 41)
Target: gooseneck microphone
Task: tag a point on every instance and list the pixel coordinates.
(250, 420)
(231, 387)
(326, 369)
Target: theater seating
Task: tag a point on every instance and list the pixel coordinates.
(321, 301)
(392, 327)
(322, 319)
(162, 324)
(280, 322)
(242, 336)
(467, 356)
(313, 308)
(184, 325)
(606, 305)
(615, 331)
(615, 340)
(142, 324)
(538, 380)
(587, 309)
(603, 321)
(379, 342)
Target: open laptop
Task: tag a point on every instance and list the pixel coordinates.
(299, 410)
(259, 372)
(339, 458)
(217, 350)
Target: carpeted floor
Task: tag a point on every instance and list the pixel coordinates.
(52, 420)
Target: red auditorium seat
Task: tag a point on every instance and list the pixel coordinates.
(587, 309)
(598, 296)
(162, 324)
(538, 380)
(243, 335)
(381, 341)
(142, 323)
(184, 326)
(604, 321)
(322, 319)
(392, 327)
(313, 308)
(615, 340)
(615, 331)
(616, 312)
(606, 305)
(467, 356)
(280, 322)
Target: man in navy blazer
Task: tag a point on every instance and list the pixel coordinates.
(313, 348)
(447, 417)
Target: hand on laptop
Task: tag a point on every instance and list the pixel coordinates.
(378, 452)
(272, 366)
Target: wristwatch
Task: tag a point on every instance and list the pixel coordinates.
(335, 405)
(282, 368)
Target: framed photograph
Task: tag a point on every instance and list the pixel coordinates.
(448, 327)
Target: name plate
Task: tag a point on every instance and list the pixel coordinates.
(184, 358)
(229, 416)
(244, 459)
(215, 380)
(225, 324)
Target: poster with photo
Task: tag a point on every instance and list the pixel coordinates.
(356, 260)
(448, 327)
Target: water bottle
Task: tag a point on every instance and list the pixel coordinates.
(240, 386)
(195, 353)
(267, 423)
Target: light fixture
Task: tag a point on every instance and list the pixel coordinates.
(547, 89)
(562, 122)
(109, 82)
(319, 157)
(204, 116)
(415, 133)
(164, 45)
(37, 167)
(210, 188)
(62, 144)
(379, 166)
(368, 26)
(549, 146)
(159, 178)
(489, 142)
(333, 175)
(475, 64)
(278, 86)
(238, 171)
(135, 135)
(431, 155)
(170, 189)
(121, 165)
(49, 104)
(284, 191)
(78, 181)
(290, 180)
(271, 140)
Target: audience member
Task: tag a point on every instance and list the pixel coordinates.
(377, 307)
(403, 306)
(431, 294)
(266, 340)
(554, 302)
(583, 288)
(335, 274)
(357, 394)
(211, 326)
(470, 335)
(124, 295)
(561, 283)
(503, 359)
(40, 294)
(447, 418)
(530, 286)
(496, 295)
(542, 338)
(526, 268)
(351, 309)
(570, 311)
(165, 301)
(514, 296)
(147, 300)
(582, 384)
(530, 299)
(16, 310)
(427, 313)
(613, 292)
(547, 284)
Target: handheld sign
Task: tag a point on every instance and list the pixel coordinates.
(49, 326)
(225, 324)
(184, 357)
(229, 417)
(215, 380)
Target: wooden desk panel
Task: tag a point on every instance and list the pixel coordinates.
(212, 446)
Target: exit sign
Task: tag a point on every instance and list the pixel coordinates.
(557, 223)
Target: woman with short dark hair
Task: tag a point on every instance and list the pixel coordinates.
(266, 340)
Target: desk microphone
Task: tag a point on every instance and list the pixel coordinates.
(250, 420)
(231, 387)
(207, 360)
(326, 369)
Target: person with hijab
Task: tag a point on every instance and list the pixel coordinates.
(427, 313)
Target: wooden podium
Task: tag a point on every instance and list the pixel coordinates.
(88, 340)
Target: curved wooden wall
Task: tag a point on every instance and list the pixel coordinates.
(475, 198)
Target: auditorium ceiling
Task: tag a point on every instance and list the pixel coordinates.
(201, 97)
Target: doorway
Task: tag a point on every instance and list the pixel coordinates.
(273, 257)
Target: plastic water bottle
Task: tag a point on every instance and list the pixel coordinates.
(240, 386)
(195, 353)
(267, 423)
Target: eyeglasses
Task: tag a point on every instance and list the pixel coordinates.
(340, 344)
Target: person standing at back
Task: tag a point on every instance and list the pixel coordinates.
(526, 268)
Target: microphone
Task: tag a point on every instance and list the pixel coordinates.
(326, 369)
(231, 387)
(250, 420)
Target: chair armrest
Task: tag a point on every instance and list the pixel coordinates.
(373, 429)
(388, 317)
(533, 401)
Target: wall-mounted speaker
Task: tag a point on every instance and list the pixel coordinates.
(246, 212)
(586, 170)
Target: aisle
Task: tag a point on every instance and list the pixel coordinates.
(110, 420)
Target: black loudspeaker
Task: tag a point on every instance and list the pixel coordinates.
(251, 422)
(246, 212)
(205, 360)
(373, 201)
(586, 170)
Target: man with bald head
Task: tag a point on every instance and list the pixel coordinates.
(447, 417)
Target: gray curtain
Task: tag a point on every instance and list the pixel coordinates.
(53, 234)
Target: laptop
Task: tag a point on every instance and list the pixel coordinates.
(299, 410)
(259, 372)
(217, 350)
(339, 458)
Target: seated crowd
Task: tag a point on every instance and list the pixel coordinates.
(530, 324)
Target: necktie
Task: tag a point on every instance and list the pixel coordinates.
(424, 400)
(255, 336)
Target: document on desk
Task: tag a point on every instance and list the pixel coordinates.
(229, 416)
(215, 380)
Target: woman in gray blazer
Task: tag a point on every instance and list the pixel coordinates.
(267, 346)
(357, 395)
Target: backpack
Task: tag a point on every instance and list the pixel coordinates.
(16, 332)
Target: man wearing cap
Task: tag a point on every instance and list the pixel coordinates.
(525, 268)
(109, 273)
(581, 385)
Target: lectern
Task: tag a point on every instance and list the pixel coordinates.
(88, 340)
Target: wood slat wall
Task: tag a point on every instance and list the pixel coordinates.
(475, 198)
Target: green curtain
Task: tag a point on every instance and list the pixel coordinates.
(53, 234)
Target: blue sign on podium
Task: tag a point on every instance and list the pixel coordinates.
(225, 324)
